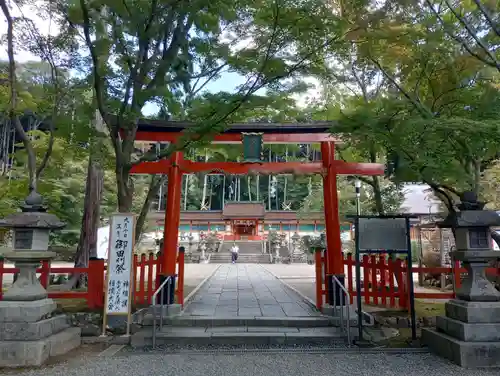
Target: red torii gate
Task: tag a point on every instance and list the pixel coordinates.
(176, 165)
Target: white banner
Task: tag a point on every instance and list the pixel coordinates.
(119, 275)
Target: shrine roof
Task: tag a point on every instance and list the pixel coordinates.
(274, 216)
(244, 210)
(170, 126)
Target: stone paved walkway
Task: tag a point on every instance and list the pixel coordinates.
(246, 290)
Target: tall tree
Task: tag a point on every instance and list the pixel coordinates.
(55, 93)
(141, 52)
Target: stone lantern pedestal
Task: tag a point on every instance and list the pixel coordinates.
(297, 254)
(469, 333)
(30, 332)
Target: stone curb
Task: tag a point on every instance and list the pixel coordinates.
(305, 298)
(405, 322)
(110, 340)
(188, 299)
(111, 350)
(240, 339)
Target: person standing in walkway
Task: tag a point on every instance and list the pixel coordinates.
(234, 252)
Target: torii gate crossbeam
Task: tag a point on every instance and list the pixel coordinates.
(329, 167)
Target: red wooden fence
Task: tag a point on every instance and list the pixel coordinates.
(145, 267)
(95, 291)
(384, 281)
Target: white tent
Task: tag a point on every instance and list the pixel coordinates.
(103, 242)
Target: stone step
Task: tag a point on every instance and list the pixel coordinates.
(220, 258)
(245, 247)
(286, 322)
(239, 335)
(465, 354)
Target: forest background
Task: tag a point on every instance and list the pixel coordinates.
(411, 84)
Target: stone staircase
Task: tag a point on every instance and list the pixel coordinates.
(250, 252)
(250, 247)
(241, 331)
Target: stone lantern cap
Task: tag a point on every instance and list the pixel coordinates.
(471, 214)
(33, 216)
(295, 236)
(479, 218)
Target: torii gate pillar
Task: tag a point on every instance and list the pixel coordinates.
(335, 261)
(171, 225)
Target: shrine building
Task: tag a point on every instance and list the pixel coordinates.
(245, 221)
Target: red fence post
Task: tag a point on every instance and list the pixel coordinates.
(383, 279)
(45, 274)
(1, 276)
(456, 275)
(408, 279)
(95, 286)
(350, 284)
(398, 273)
(91, 288)
(374, 282)
(366, 278)
(403, 295)
(141, 299)
(392, 294)
(133, 281)
(180, 278)
(324, 280)
(151, 263)
(319, 278)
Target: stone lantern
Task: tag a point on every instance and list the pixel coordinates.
(296, 251)
(31, 229)
(29, 333)
(190, 242)
(469, 334)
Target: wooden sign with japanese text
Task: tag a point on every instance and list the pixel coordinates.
(119, 276)
(382, 234)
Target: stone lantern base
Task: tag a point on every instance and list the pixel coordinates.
(30, 333)
(469, 334)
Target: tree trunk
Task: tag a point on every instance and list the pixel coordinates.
(379, 207)
(125, 189)
(154, 187)
(269, 202)
(238, 185)
(377, 194)
(286, 178)
(87, 244)
(277, 194)
(284, 189)
(257, 184)
(223, 191)
(210, 194)
(205, 184)
(249, 187)
(186, 189)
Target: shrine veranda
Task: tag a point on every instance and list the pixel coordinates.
(253, 136)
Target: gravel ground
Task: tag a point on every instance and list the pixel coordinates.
(252, 364)
(176, 349)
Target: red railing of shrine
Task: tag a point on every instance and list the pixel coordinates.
(146, 268)
(384, 280)
(94, 295)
